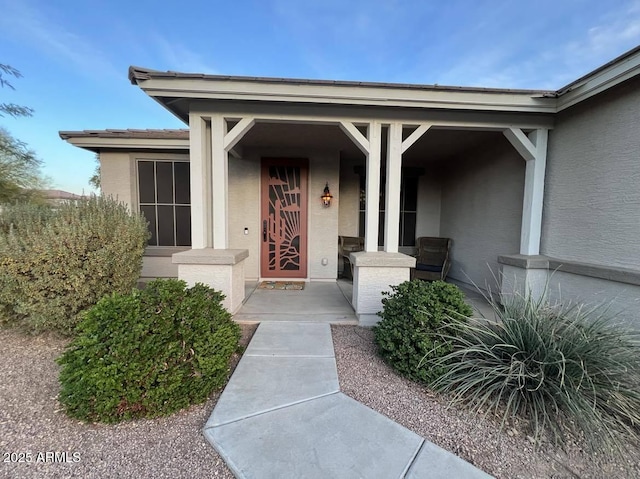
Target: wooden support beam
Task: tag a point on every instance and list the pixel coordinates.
(237, 132)
(236, 152)
(200, 183)
(415, 136)
(220, 183)
(521, 143)
(533, 197)
(371, 213)
(358, 138)
(392, 194)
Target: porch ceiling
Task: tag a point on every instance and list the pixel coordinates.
(435, 146)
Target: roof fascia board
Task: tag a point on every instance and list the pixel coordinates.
(347, 95)
(599, 81)
(323, 114)
(97, 143)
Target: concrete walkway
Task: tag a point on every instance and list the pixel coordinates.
(282, 415)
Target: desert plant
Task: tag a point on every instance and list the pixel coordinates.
(564, 368)
(54, 264)
(30, 215)
(415, 316)
(148, 353)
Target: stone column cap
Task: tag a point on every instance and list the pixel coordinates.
(382, 259)
(525, 261)
(210, 256)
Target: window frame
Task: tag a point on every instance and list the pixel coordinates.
(173, 204)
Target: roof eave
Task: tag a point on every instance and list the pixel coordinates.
(163, 85)
(618, 70)
(346, 95)
(96, 143)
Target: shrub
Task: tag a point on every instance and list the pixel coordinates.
(564, 368)
(54, 264)
(148, 353)
(23, 214)
(414, 317)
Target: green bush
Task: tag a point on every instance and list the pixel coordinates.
(56, 263)
(414, 317)
(23, 214)
(563, 368)
(148, 353)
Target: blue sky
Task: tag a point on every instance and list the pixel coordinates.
(74, 55)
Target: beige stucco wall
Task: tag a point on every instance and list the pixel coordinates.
(592, 198)
(429, 199)
(244, 200)
(158, 267)
(349, 198)
(324, 166)
(619, 301)
(244, 209)
(481, 210)
(118, 177)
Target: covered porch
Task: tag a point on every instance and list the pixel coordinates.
(363, 142)
(447, 158)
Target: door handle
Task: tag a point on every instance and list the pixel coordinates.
(264, 231)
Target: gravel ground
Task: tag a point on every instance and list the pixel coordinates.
(31, 421)
(174, 447)
(508, 454)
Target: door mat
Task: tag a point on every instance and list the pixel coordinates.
(281, 285)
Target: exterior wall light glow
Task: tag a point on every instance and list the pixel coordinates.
(326, 196)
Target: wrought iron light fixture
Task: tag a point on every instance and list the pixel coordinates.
(326, 196)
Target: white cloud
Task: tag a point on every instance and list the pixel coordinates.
(178, 57)
(545, 62)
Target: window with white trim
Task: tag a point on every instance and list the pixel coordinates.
(165, 200)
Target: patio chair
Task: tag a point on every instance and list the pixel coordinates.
(432, 258)
(346, 246)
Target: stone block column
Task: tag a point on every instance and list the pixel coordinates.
(222, 270)
(524, 275)
(373, 273)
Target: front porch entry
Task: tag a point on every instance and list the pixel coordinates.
(319, 301)
(219, 252)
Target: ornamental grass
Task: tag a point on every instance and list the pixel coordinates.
(569, 370)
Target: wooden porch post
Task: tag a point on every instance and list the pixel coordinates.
(392, 194)
(221, 143)
(372, 206)
(533, 149)
(220, 190)
(371, 148)
(200, 183)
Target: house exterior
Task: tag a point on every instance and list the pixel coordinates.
(534, 187)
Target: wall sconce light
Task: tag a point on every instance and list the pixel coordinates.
(326, 196)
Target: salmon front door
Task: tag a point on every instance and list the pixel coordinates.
(283, 252)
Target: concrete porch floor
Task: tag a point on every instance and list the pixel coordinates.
(320, 302)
